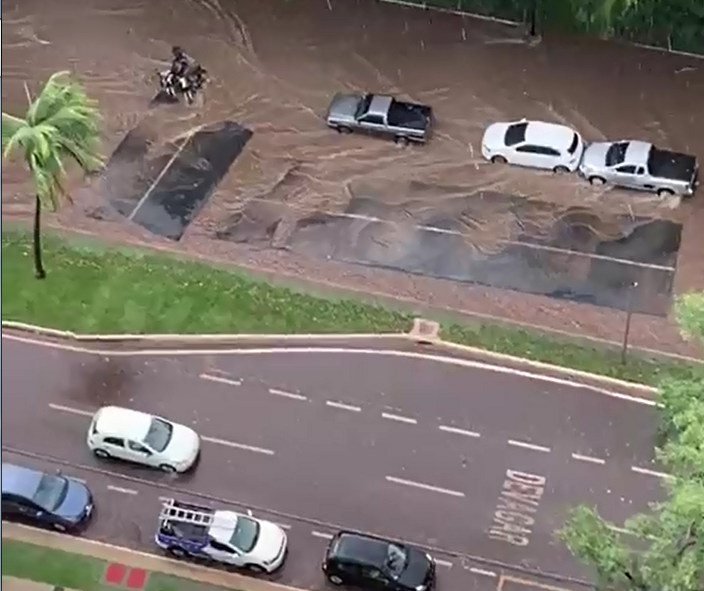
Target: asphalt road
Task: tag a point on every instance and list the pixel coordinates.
(470, 462)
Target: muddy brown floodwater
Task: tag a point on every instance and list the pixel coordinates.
(274, 65)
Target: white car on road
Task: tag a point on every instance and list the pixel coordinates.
(535, 144)
(243, 541)
(139, 437)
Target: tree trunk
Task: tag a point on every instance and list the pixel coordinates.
(533, 31)
(39, 271)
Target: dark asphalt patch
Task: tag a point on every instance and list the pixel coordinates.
(541, 250)
(162, 187)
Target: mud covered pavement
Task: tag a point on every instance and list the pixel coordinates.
(275, 65)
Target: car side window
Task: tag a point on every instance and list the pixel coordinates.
(640, 170)
(374, 119)
(626, 168)
(116, 441)
(138, 447)
(221, 547)
(542, 150)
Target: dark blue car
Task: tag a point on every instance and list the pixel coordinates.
(39, 498)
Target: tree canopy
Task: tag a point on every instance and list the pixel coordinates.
(664, 549)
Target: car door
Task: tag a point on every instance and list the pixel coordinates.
(141, 454)
(351, 573)
(375, 578)
(373, 124)
(625, 175)
(115, 446)
(224, 553)
(535, 156)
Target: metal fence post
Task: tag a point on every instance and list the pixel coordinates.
(627, 328)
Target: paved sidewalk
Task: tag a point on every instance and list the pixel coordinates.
(14, 584)
(131, 558)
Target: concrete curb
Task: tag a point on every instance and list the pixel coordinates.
(135, 559)
(577, 376)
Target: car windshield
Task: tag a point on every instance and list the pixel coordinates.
(246, 534)
(616, 153)
(573, 146)
(364, 105)
(515, 134)
(51, 492)
(159, 434)
(396, 558)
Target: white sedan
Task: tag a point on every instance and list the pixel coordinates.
(135, 436)
(535, 144)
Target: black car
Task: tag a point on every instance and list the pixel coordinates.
(38, 498)
(366, 561)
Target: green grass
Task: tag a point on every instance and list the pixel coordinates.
(93, 289)
(75, 571)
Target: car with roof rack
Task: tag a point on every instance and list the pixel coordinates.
(197, 532)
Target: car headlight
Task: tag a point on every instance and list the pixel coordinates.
(421, 587)
(429, 557)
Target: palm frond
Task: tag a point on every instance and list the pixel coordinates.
(11, 126)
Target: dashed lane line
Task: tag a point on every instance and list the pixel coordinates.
(125, 491)
(399, 418)
(321, 534)
(458, 431)
(443, 563)
(79, 480)
(590, 459)
(285, 394)
(70, 409)
(252, 448)
(343, 406)
(284, 525)
(220, 380)
(423, 486)
(651, 472)
(526, 445)
(483, 572)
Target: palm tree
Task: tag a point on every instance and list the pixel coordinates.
(61, 124)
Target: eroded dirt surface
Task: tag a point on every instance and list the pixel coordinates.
(274, 67)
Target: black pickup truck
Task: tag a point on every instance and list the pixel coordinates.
(380, 115)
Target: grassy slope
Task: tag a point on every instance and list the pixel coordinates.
(91, 289)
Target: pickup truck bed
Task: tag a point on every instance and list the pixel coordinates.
(671, 165)
(409, 115)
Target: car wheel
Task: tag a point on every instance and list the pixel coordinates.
(255, 568)
(167, 468)
(597, 181)
(402, 139)
(344, 129)
(101, 453)
(498, 160)
(561, 170)
(177, 552)
(665, 192)
(335, 580)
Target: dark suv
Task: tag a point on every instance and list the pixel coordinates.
(366, 561)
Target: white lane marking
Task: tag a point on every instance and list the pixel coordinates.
(445, 563)
(259, 450)
(219, 380)
(323, 535)
(526, 445)
(75, 411)
(284, 525)
(285, 394)
(79, 480)
(651, 472)
(458, 431)
(591, 459)
(399, 418)
(126, 491)
(429, 487)
(445, 359)
(343, 406)
(481, 571)
(165, 499)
